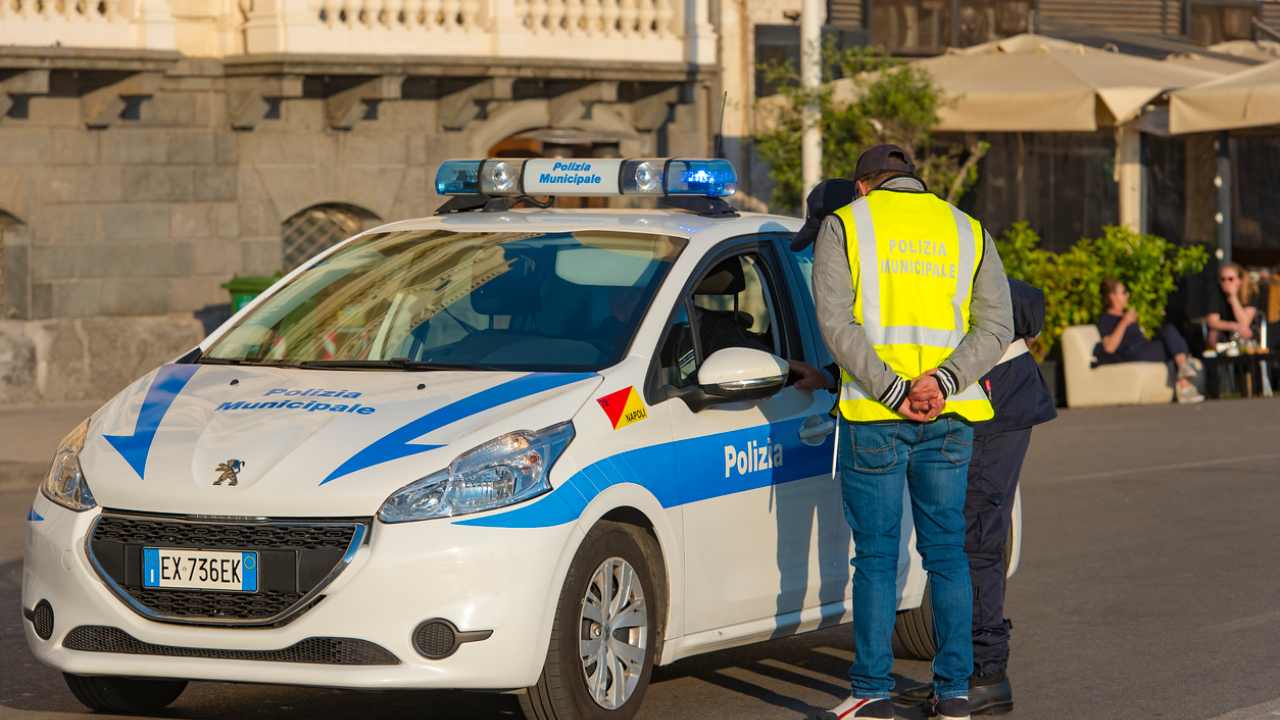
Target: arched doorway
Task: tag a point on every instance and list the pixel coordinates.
(320, 227)
(561, 143)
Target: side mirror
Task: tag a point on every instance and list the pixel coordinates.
(738, 373)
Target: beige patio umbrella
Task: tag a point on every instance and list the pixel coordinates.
(1218, 65)
(1245, 99)
(1031, 83)
(1229, 57)
(1265, 50)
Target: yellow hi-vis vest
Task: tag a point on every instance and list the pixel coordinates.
(914, 258)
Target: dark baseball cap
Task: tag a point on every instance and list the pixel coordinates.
(826, 197)
(884, 158)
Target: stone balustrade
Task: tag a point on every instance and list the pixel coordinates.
(572, 30)
(129, 24)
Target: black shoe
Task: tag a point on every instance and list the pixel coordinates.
(950, 709)
(990, 695)
(852, 708)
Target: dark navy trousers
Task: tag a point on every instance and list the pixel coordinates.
(993, 480)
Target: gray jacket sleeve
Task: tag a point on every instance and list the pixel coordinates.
(990, 325)
(833, 296)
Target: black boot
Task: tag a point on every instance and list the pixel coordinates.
(990, 694)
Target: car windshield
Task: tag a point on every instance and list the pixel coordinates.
(428, 299)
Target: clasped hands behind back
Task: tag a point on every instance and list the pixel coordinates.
(925, 400)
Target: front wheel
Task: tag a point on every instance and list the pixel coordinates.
(606, 631)
(913, 632)
(124, 696)
(913, 637)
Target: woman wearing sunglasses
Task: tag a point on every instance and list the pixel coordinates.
(1235, 313)
(1124, 341)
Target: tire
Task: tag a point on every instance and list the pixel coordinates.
(913, 632)
(913, 637)
(124, 696)
(562, 691)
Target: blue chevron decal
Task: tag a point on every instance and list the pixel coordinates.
(398, 443)
(168, 383)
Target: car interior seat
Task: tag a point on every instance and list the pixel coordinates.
(718, 329)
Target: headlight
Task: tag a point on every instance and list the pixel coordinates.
(66, 484)
(507, 470)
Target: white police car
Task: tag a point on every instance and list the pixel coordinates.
(521, 450)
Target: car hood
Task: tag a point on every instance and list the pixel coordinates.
(283, 442)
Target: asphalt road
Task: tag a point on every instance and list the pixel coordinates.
(1149, 588)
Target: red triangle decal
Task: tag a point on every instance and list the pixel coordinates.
(614, 403)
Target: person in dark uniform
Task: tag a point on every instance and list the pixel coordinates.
(1022, 401)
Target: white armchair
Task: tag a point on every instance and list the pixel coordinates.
(1132, 383)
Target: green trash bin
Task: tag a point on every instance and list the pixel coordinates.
(244, 288)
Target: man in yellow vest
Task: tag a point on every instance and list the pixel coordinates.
(913, 302)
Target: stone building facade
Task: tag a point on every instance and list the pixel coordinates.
(208, 135)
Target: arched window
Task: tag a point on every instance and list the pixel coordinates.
(319, 228)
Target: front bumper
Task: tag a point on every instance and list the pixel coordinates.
(480, 579)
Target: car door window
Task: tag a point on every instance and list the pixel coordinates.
(733, 307)
(734, 304)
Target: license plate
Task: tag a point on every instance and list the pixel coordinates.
(199, 569)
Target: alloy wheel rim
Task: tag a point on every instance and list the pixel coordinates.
(613, 633)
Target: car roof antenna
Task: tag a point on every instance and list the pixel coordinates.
(719, 143)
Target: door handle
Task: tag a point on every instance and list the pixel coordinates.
(815, 429)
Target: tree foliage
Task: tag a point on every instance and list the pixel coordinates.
(892, 103)
(1148, 265)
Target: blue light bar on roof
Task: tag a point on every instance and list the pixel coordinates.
(712, 178)
(458, 177)
(587, 177)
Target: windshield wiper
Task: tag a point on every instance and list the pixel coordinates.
(206, 360)
(390, 363)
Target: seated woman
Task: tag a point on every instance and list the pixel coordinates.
(1123, 341)
(1235, 314)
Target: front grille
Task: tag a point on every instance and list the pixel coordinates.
(314, 651)
(296, 559)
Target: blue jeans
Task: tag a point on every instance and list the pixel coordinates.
(876, 461)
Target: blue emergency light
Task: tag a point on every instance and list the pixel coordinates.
(498, 177)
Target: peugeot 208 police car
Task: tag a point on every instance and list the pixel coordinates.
(502, 449)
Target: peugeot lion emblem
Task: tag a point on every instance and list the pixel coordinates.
(229, 472)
